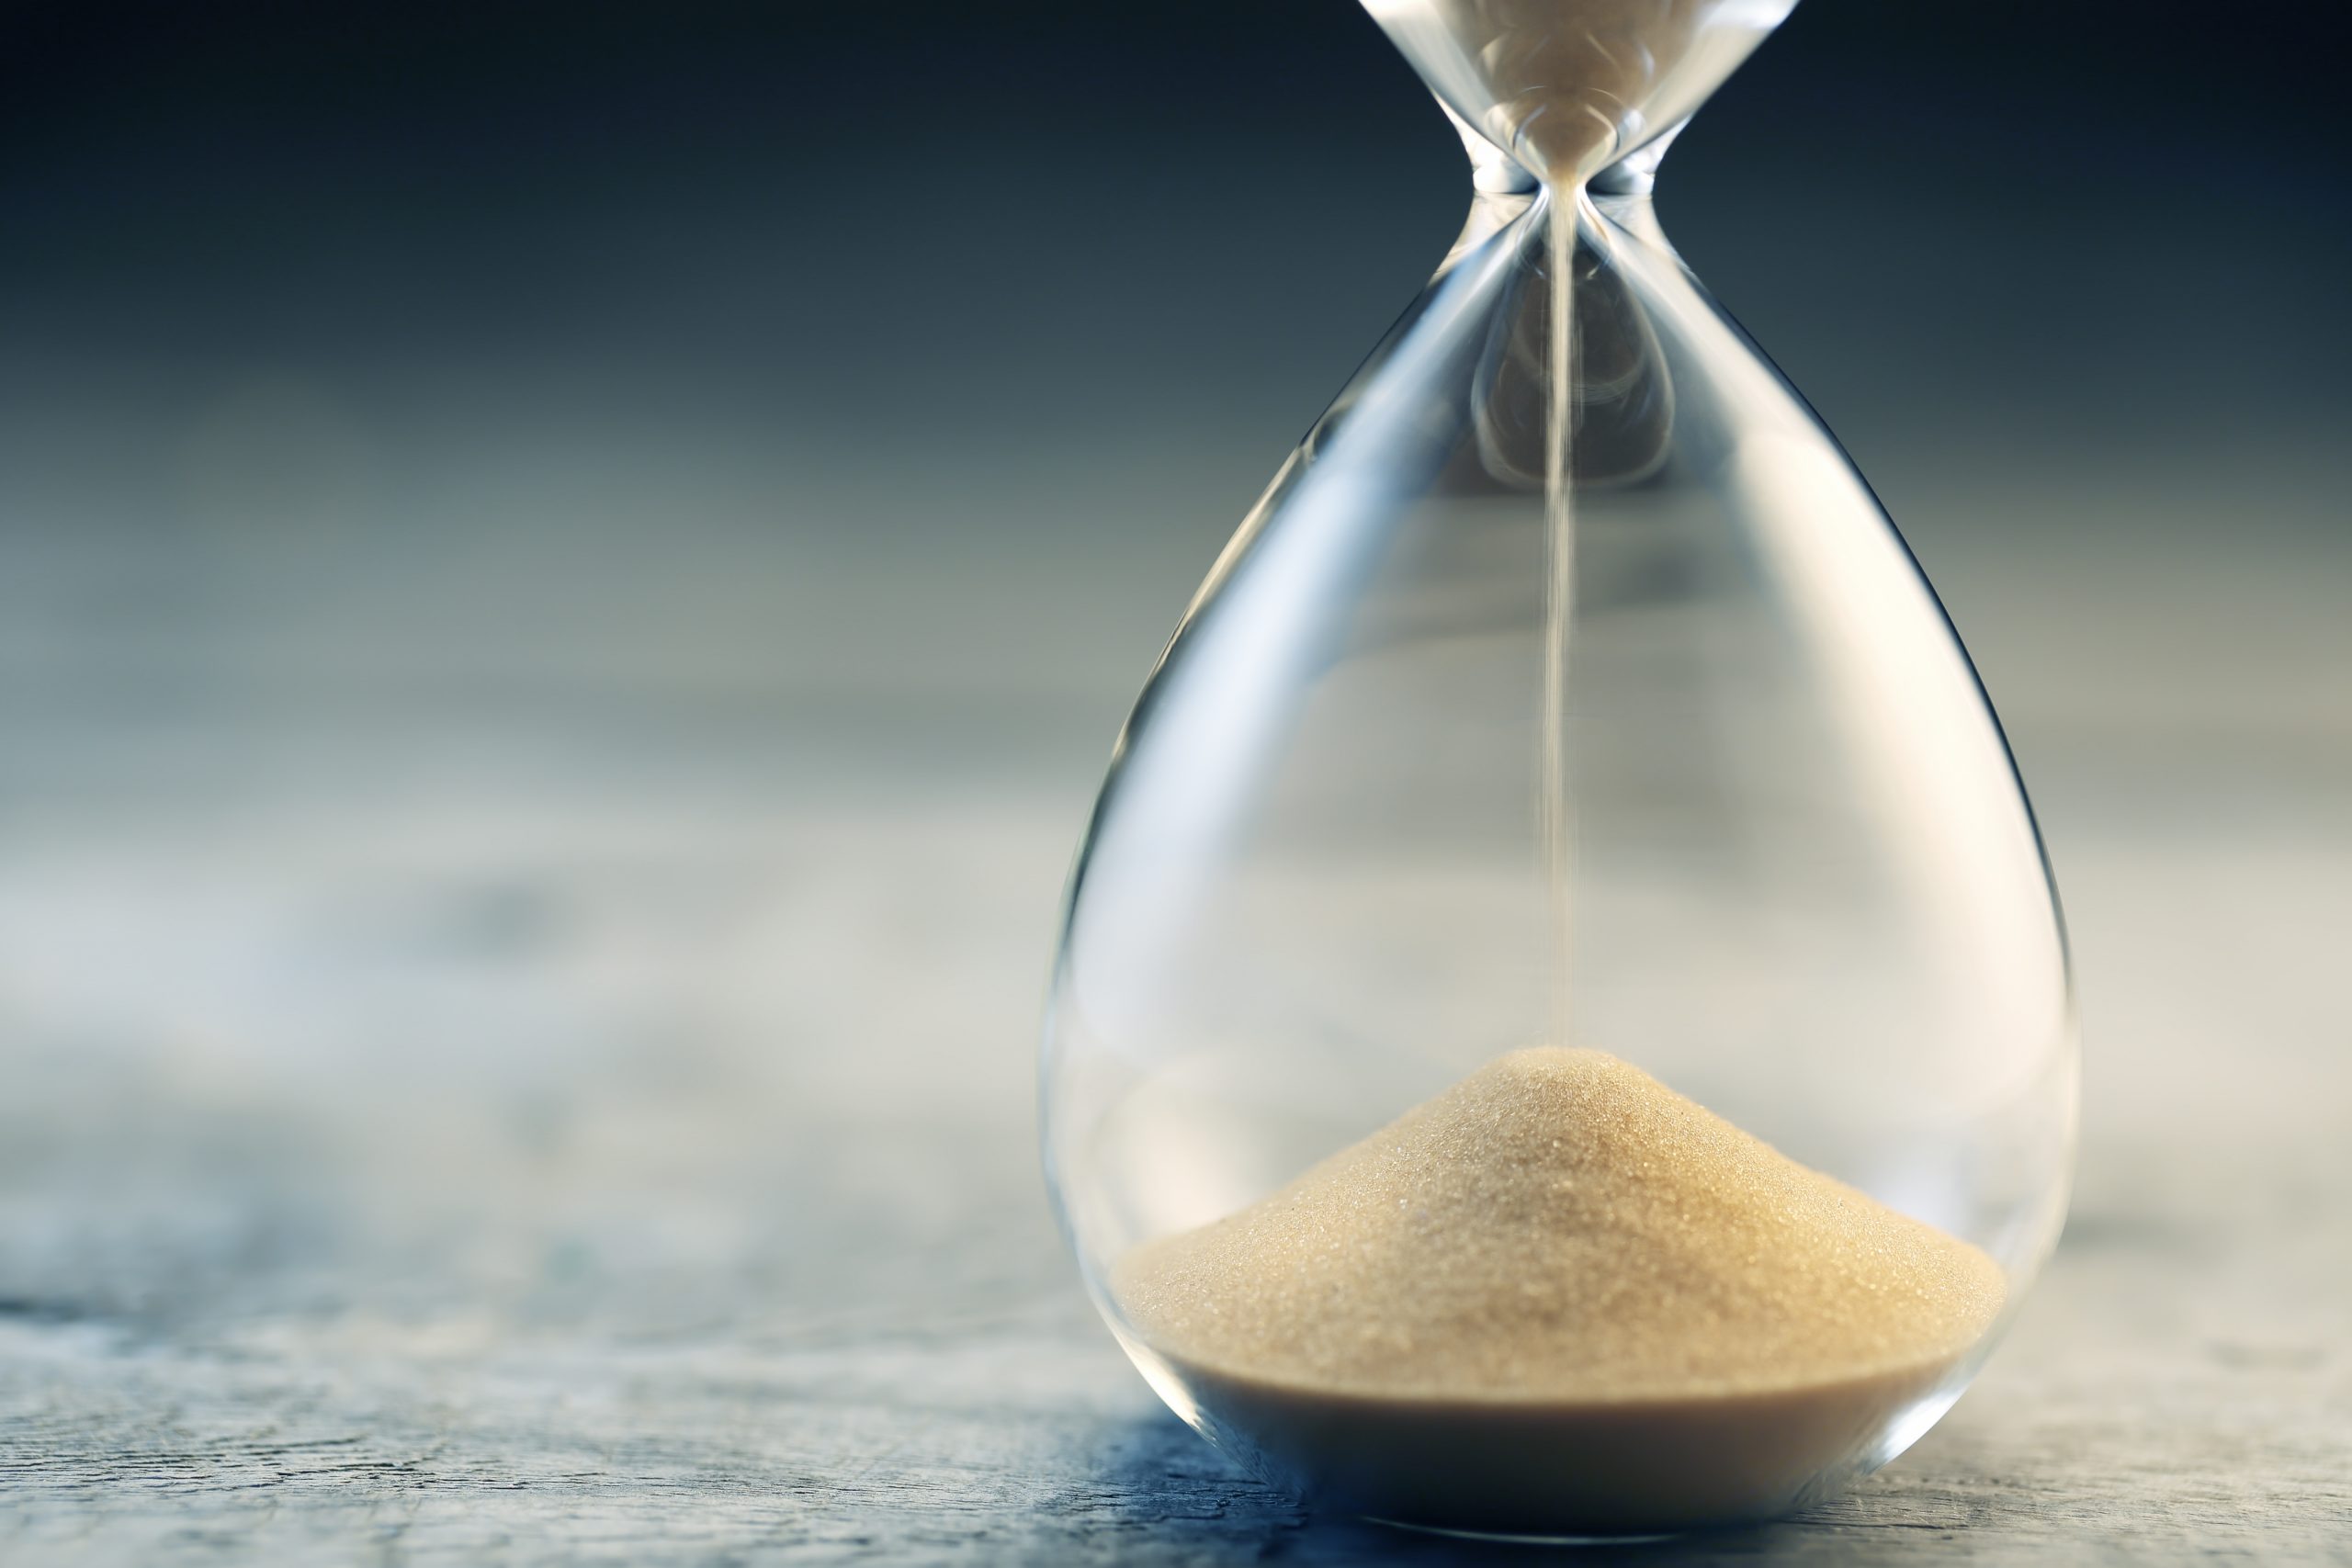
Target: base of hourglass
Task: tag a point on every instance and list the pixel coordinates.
(1559, 1474)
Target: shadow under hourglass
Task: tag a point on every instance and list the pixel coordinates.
(1198, 1506)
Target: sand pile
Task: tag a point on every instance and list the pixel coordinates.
(1560, 1296)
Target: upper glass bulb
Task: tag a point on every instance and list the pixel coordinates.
(1568, 87)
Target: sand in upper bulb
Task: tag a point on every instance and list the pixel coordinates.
(1560, 1299)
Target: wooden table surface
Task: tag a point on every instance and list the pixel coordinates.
(440, 1125)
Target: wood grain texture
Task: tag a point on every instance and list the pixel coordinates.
(408, 1168)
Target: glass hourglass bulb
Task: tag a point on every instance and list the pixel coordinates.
(1568, 690)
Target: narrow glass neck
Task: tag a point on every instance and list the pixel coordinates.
(1496, 173)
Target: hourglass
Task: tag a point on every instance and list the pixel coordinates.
(1562, 1024)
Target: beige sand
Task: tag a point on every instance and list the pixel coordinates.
(1559, 1298)
(1561, 81)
